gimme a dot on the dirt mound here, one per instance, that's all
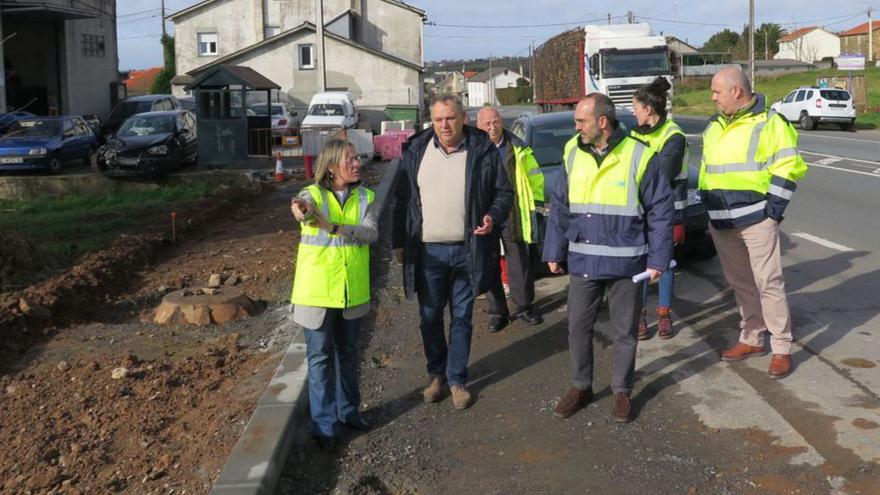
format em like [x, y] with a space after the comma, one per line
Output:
[17, 256]
[132, 418]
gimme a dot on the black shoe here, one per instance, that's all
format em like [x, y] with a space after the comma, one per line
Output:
[530, 317]
[359, 423]
[496, 323]
[327, 444]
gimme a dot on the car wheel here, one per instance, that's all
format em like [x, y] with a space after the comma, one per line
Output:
[55, 165]
[851, 127]
[805, 122]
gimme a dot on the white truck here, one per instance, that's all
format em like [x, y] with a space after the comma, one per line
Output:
[614, 59]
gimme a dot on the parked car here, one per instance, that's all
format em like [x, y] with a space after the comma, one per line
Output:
[547, 133]
[134, 105]
[7, 119]
[334, 109]
[187, 103]
[809, 106]
[150, 144]
[46, 143]
[282, 120]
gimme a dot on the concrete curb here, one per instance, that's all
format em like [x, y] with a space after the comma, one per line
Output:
[256, 462]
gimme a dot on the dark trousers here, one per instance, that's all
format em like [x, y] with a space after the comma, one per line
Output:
[624, 306]
[332, 352]
[520, 278]
[444, 279]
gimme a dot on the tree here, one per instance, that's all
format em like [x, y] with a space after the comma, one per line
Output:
[769, 32]
[162, 84]
[722, 41]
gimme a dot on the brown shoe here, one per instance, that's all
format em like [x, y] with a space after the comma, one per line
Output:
[643, 326]
[461, 398]
[780, 366]
[434, 390]
[664, 324]
[741, 351]
[622, 408]
[573, 401]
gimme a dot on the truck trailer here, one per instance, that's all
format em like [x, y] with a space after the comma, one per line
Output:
[614, 59]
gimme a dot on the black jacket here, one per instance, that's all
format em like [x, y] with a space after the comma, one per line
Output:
[488, 192]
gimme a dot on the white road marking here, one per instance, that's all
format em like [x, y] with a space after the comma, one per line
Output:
[841, 157]
[823, 242]
[869, 174]
[829, 161]
[876, 171]
[803, 135]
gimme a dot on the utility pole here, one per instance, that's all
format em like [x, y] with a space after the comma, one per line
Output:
[609, 18]
[630, 17]
[162, 17]
[766, 44]
[870, 36]
[322, 73]
[532, 69]
[491, 94]
[2, 68]
[752, 43]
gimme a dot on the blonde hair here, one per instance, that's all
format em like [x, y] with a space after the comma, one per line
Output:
[332, 154]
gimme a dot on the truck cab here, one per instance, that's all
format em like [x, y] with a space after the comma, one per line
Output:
[331, 109]
[620, 58]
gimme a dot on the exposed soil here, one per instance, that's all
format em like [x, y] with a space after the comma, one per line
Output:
[94, 398]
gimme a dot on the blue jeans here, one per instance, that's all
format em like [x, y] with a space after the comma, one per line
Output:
[666, 289]
[444, 279]
[332, 351]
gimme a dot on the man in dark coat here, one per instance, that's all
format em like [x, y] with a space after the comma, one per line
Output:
[450, 194]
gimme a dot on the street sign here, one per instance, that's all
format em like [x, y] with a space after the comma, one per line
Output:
[854, 61]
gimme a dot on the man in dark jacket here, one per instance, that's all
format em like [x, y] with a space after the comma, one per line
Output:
[610, 219]
[449, 195]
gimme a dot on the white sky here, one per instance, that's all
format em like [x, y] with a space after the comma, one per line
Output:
[695, 20]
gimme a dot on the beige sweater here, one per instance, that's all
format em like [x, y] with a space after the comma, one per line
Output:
[441, 186]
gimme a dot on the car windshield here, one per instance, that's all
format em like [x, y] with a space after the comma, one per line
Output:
[128, 108]
[634, 63]
[326, 109]
[35, 128]
[147, 126]
[549, 141]
[261, 110]
[834, 94]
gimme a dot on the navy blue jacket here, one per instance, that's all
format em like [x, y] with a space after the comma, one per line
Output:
[488, 192]
[655, 196]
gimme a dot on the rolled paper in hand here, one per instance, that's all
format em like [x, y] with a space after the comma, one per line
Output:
[645, 275]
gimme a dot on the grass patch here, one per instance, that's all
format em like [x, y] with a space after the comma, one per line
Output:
[50, 234]
[693, 97]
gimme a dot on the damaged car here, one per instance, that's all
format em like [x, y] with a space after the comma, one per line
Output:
[149, 145]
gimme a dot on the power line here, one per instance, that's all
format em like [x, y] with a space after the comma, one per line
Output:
[158, 35]
[137, 13]
[519, 26]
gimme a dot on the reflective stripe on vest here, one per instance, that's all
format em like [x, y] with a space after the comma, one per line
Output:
[617, 252]
[735, 213]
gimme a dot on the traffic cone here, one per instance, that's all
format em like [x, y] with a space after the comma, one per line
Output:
[279, 168]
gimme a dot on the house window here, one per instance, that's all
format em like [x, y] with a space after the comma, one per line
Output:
[272, 31]
[306, 56]
[207, 44]
[92, 45]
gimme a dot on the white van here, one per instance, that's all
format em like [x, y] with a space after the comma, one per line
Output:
[331, 109]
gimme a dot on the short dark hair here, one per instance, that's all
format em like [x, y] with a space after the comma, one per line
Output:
[603, 107]
[447, 98]
[654, 95]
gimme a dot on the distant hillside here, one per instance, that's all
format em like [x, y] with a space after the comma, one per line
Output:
[478, 64]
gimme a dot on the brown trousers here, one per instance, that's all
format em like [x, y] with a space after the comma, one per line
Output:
[752, 265]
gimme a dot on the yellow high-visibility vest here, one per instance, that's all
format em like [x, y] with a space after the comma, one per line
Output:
[657, 140]
[611, 189]
[529, 187]
[333, 271]
[746, 160]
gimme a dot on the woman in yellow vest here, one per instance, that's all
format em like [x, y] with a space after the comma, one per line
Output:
[331, 286]
[667, 140]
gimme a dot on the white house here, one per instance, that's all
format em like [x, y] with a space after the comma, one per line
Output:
[808, 44]
[481, 88]
[372, 48]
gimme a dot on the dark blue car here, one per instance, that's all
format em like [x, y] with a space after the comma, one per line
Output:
[46, 143]
[7, 119]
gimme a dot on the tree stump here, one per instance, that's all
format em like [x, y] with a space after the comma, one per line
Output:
[204, 306]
